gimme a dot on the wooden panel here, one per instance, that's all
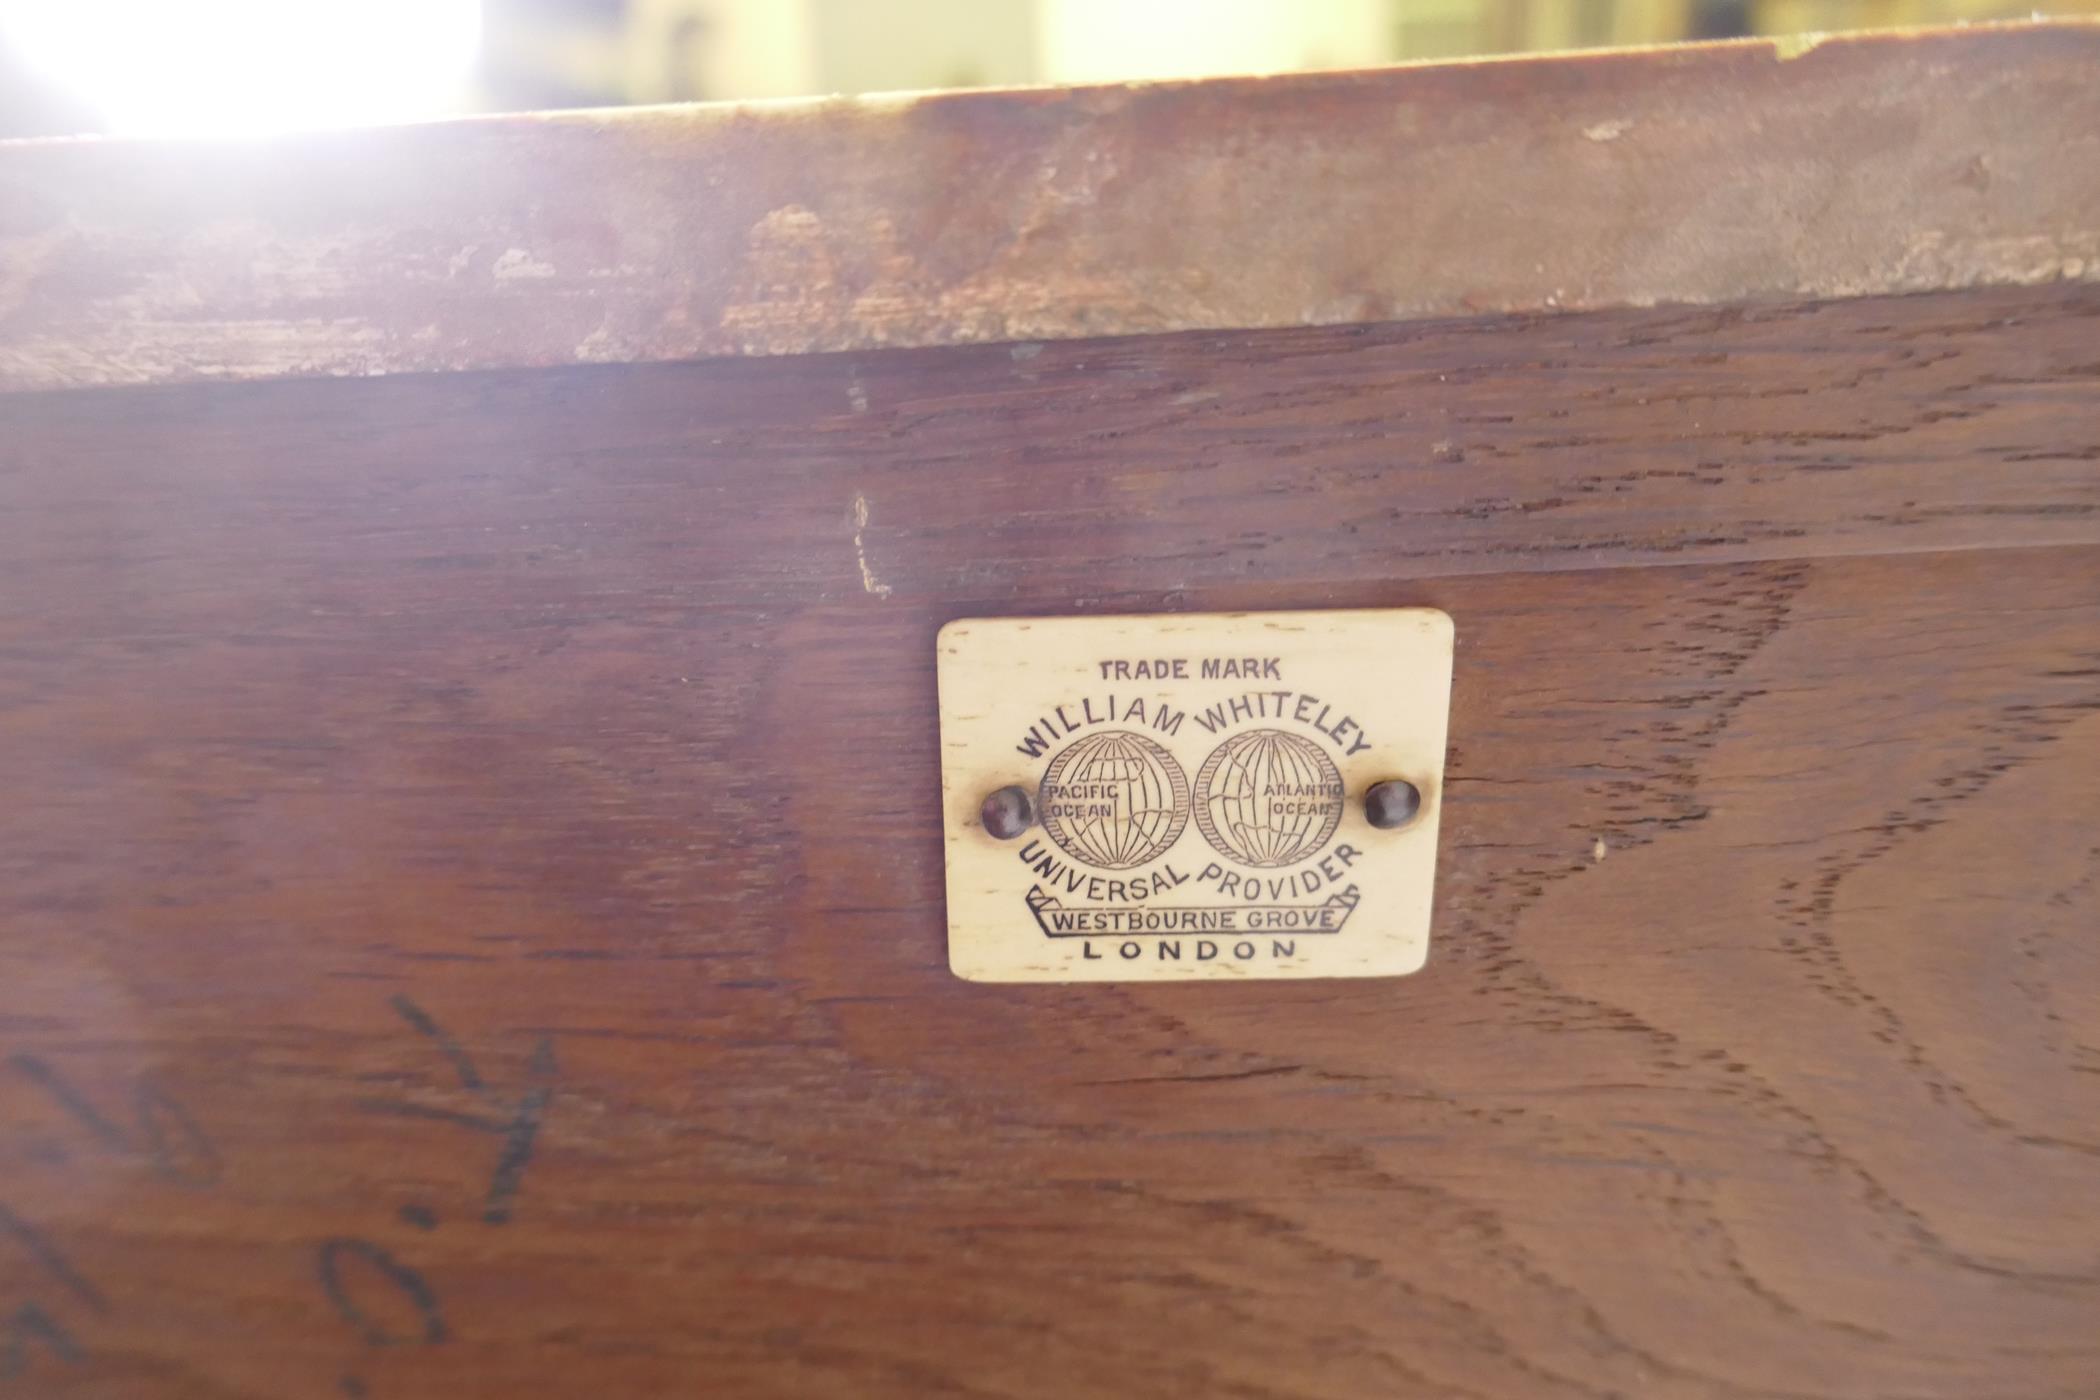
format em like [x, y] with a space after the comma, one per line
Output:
[1131, 473]
[471, 919]
[1699, 174]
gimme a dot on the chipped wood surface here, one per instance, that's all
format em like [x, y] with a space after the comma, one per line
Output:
[472, 928]
[1697, 175]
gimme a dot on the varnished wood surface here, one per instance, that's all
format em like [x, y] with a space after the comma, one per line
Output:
[471, 916]
[1708, 174]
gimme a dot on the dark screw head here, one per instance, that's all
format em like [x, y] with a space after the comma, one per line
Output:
[1008, 812]
[1392, 804]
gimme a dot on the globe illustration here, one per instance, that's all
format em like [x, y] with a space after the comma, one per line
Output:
[1114, 800]
[1267, 797]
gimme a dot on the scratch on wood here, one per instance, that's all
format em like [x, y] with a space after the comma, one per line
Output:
[868, 580]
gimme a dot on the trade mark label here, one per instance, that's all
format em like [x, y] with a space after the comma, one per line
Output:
[1194, 792]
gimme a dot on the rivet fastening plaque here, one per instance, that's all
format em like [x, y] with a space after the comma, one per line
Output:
[1392, 804]
[1008, 812]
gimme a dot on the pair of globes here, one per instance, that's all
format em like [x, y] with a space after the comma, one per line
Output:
[1117, 800]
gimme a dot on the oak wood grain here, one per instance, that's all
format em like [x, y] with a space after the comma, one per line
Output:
[470, 912]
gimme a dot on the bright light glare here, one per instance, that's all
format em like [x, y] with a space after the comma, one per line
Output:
[247, 67]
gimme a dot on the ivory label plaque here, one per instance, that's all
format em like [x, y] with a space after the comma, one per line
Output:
[1192, 795]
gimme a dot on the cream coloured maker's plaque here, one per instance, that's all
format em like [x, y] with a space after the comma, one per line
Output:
[1188, 796]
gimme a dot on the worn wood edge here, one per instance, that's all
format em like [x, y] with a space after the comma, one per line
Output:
[1703, 174]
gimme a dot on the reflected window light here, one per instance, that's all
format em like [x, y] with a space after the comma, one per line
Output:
[251, 67]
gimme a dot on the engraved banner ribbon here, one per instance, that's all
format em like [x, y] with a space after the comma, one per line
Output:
[1058, 921]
